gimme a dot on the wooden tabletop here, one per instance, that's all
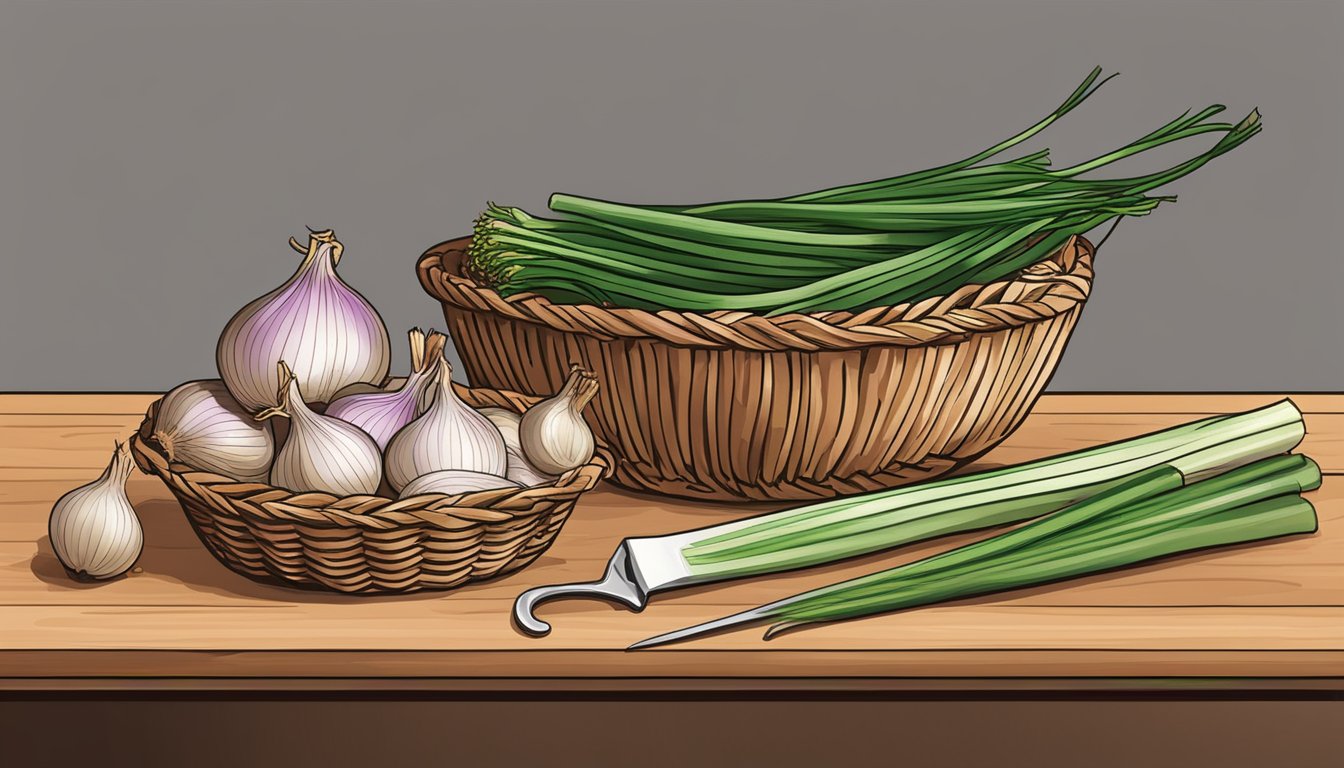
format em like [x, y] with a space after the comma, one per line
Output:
[1258, 616]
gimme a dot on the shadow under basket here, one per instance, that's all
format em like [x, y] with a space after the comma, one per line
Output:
[369, 544]
[726, 405]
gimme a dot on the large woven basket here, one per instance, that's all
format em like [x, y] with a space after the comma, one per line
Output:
[737, 405]
[369, 544]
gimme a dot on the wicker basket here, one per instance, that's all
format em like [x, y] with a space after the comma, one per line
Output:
[369, 544]
[737, 405]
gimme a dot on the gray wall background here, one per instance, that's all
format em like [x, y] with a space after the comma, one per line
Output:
[155, 156]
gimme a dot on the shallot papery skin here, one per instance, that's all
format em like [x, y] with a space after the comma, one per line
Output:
[381, 414]
[200, 424]
[525, 474]
[520, 470]
[455, 481]
[554, 436]
[331, 335]
[448, 435]
[506, 422]
[93, 529]
[323, 454]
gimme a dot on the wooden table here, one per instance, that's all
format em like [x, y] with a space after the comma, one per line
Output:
[1262, 617]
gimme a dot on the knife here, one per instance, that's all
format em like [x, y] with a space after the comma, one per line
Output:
[638, 568]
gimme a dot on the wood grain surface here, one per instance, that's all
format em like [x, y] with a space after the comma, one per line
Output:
[1252, 616]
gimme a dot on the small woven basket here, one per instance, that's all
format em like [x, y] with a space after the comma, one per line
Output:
[369, 544]
[738, 405]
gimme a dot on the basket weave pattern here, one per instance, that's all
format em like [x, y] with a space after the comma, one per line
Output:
[737, 405]
[369, 544]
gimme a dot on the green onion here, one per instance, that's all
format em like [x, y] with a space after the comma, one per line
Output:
[876, 243]
[1089, 86]
[818, 258]
[851, 526]
[1143, 519]
[1154, 512]
[1136, 507]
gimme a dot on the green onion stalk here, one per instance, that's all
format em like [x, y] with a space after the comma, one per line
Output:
[875, 243]
[847, 527]
[1152, 513]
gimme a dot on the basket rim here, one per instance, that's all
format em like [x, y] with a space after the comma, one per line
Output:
[274, 505]
[1055, 285]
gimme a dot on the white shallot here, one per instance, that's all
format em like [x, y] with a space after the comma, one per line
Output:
[506, 422]
[455, 481]
[525, 474]
[519, 470]
[94, 530]
[449, 435]
[383, 413]
[200, 424]
[332, 334]
[321, 453]
[554, 436]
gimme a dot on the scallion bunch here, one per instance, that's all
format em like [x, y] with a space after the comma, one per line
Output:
[1159, 511]
[876, 243]
[833, 529]
[1151, 515]
[1217, 481]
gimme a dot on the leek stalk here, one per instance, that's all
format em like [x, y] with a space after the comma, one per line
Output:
[1141, 520]
[1177, 507]
[848, 527]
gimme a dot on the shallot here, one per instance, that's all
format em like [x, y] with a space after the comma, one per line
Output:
[523, 473]
[332, 334]
[93, 529]
[449, 435]
[506, 422]
[382, 413]
[454, 481]
[321, 454]
[201, 425]
[520, 470]
[554, 436]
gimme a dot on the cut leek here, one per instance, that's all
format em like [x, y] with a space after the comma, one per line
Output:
[841, 528]
[1106, 532]
[1155, 512]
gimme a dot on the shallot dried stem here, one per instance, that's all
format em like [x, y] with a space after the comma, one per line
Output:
[283, 405]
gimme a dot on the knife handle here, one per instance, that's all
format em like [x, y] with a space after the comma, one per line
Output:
[618, 585]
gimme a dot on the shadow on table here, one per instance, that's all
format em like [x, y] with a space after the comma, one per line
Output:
[48, 569]
[173, 553]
